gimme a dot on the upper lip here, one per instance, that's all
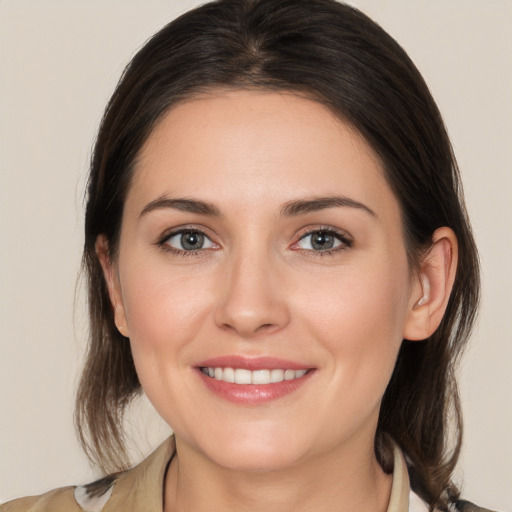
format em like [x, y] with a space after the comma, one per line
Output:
[252, 363]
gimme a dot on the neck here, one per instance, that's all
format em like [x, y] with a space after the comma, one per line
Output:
[347, 479]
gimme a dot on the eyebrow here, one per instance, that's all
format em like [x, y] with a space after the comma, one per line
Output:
[315, 204]
[182, 204]
[290, 209]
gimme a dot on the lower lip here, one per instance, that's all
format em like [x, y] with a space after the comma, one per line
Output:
[253, 394]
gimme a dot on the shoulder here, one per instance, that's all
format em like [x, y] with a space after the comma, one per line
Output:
[88, 498]
[466, 506]
[138, 488]
[416, 504]
[57, 500]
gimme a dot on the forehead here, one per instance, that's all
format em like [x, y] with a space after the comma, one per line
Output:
[259, 147]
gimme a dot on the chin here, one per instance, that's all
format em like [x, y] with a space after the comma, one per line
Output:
[254, 451]
[255, 460]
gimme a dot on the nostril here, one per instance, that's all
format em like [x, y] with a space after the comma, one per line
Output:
[249, 331]
[265, 327]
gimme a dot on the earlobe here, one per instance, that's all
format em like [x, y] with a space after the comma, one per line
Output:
[431, 290]
[113, 285]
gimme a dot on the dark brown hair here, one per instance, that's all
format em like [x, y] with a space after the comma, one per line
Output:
[336, 55]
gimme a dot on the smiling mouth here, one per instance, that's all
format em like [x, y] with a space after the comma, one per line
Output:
[244, 376]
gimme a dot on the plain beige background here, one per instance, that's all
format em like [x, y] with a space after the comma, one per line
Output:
[59, 62]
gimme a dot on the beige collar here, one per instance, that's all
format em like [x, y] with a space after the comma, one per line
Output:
[399, 499]
[142, 488]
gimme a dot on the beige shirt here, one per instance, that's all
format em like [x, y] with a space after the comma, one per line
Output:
[140, 489]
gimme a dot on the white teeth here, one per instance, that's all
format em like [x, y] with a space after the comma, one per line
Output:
[276, 375]
[243, 376]
[228, 375]
[289, 375]
[260, 377]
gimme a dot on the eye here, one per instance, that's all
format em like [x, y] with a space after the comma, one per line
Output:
[189, 240]
[322, 240]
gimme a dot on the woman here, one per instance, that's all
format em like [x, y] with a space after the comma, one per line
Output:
[278, 254]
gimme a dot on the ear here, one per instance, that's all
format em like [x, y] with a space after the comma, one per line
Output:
[432, 286]
[113, 285]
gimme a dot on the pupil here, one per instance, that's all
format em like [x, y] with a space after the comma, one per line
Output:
[322, 241]
[192, 240]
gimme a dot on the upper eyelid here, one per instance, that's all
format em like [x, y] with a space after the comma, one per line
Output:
[168, 233]
[172, 234]
[326, 229]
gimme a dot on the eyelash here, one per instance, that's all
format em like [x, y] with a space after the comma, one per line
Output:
[346, 242]
[162, 242]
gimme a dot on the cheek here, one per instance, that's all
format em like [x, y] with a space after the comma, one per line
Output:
[359, 316]
[164, 312]
[370, 299]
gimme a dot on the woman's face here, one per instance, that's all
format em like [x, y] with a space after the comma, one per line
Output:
[261, 242]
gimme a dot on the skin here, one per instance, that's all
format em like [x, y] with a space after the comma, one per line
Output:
[258, 288]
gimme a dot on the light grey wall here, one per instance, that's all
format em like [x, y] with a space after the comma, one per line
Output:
[59, 62]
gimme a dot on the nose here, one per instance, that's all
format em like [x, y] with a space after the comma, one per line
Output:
[252, 301]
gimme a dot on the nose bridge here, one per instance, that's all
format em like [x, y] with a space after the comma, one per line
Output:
[251, 301]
